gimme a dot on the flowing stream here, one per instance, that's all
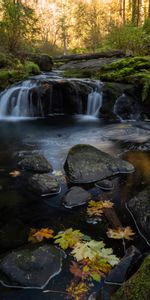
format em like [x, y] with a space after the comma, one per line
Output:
[54, 136]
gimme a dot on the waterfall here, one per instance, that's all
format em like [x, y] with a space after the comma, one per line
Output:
[46, 95]
[94, 101]
[17, 101]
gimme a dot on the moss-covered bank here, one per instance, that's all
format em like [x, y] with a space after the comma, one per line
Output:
[13, 70]
[132, 70]
[138, 286]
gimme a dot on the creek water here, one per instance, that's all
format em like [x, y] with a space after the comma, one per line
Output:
[53, 137]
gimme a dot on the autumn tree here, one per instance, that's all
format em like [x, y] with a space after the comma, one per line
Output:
[17, 24]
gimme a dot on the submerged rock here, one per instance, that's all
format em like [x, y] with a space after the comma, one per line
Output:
[43, 184]
[30, 267]
[138, 286]
[36, 163]
[76, 196]
[85, 164]
[104, 185]
[139, 207]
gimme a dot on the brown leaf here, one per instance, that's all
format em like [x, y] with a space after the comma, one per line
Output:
[120, 233]
[15, 173]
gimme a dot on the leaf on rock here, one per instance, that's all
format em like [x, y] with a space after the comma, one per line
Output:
[68, 238]
[121, 233]
[15, 173]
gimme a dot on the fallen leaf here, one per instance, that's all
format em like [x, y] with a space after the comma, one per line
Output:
[120, 233]
[43, 233]
[96, 208]
[15, 173]
[38, 235]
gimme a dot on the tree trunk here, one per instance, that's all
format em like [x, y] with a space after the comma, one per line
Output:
[149, 9]
[124, 12]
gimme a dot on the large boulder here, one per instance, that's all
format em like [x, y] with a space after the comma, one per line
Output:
[139, 207]
[138, 286]
[43, 185]
[31, 267]
[87, 164]
[35, 163]
[76, 196]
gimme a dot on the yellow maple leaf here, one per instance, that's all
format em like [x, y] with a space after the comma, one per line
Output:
[96, 208]
[107, 204]
[15, 173]
[120, 233]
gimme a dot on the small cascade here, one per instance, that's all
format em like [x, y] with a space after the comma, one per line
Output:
[17, 101]
[94, 101]
[46, 95]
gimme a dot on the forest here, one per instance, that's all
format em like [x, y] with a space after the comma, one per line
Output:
[67, 26]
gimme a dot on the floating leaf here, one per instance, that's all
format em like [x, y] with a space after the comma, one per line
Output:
[15, 173]
[38, 235]
[120, 233]
[92, 250]
[68, 238]
[76, 270]
[96, 208]
[78, 290]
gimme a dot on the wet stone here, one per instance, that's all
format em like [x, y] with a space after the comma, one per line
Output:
[30, 267]
[35, 163]
[139, 207]
[76, 196]
[105, 185]
[85, 164]
[43, 185]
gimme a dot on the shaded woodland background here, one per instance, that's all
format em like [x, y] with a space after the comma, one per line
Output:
[75, 26]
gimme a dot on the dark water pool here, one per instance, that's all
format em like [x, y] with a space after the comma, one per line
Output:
[53, 137]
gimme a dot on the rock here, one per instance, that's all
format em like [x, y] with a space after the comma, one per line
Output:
[138, 286]
[31, 267]
[36, 163]
[43, 185]
[126, 107]
[139, 207]
[104, 184]
[76, 196]
[85, 164]
[13, 234]
[119, 274]
[45, 62]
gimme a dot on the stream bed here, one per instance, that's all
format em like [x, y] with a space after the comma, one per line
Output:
[53, 137]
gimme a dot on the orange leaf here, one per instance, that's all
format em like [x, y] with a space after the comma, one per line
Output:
[120, 233]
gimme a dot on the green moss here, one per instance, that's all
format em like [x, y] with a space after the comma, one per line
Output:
[77, 73]
[138, 286]
[32, 68]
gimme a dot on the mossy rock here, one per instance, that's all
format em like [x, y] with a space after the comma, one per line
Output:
[32, 68]
[122, 69]
[138, 286]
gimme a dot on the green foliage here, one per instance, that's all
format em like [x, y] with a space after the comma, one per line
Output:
[68, 238]
[128, 38]
[32, 68]
[17, 24]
